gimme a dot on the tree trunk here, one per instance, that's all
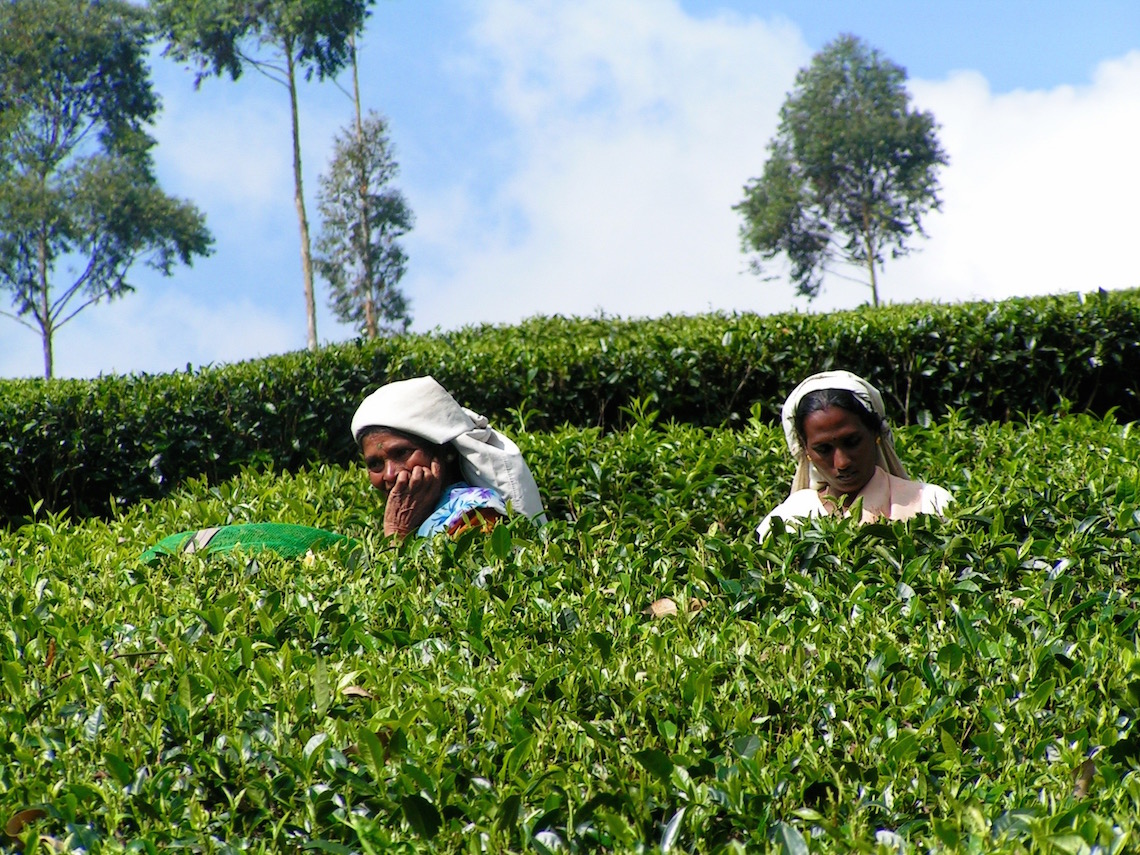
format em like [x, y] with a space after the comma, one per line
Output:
[48, 356]
[371, 328]
[45, 308]
[874, 282]
[867, 245]
[299, 199]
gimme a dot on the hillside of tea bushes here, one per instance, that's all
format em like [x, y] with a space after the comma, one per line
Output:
[95, 447]
[969, 684]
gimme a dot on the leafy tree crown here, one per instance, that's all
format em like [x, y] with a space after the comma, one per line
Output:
[850, 173]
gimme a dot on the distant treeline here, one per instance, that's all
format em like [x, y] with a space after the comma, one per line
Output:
[89, 445]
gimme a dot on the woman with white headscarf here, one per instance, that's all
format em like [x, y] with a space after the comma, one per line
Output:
[837, 431]
[440, 466]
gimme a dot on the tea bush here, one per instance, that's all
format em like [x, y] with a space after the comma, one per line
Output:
[967, 684]
[93, 446]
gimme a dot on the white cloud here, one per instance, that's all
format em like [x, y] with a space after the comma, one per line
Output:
[234, 155]
[637, 126]
[1038, 196]
[230, 141]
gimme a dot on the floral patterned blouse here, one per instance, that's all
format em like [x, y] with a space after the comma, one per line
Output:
[457, 502]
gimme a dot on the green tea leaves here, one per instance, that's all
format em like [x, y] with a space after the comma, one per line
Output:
[937, 684]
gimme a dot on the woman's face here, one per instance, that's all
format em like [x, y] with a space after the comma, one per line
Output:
[387, 454]
[842, 448]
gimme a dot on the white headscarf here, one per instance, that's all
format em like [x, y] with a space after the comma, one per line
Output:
[806, 474]
[422, 407]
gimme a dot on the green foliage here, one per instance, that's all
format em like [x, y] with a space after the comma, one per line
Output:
[280, 38]
[966, 684]
[363, 220]
[224, 36]
[77, 188]
[94, 445]
[850, 173]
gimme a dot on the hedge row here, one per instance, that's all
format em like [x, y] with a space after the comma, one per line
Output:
[966, 685]
[92, 445]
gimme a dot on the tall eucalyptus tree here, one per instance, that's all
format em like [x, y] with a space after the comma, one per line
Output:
[282, 39]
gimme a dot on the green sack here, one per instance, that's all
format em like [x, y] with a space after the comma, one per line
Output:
[285, 539]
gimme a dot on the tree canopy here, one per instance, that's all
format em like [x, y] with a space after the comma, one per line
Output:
[850, 173]
[226, 36]
[77, 187]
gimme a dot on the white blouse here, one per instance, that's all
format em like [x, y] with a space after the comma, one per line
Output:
[885, 496]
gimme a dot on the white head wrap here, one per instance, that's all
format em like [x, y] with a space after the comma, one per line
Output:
[422, 407]
[806, 474]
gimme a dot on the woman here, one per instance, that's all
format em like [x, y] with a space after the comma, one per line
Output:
[837, 430]
[439, 465]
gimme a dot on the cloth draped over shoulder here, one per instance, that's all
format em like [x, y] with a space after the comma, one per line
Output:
[806, 474]
[422, 407]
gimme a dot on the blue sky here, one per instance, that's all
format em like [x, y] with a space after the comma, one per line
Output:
[583, 157]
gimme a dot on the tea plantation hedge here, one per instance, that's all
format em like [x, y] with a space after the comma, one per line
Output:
[90, 445]
[961, 685]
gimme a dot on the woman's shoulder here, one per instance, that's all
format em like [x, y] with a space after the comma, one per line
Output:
[935, 498]
[458, 500]
[800, 504]
[925, 498]
[461, 491]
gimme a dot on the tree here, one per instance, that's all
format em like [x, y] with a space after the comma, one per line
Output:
[277, 38]
[362, 219]
[77, 186]
[851, 171]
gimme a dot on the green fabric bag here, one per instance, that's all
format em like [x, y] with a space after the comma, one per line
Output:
[284, 539]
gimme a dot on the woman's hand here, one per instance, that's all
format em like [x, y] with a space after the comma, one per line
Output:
[412, 499]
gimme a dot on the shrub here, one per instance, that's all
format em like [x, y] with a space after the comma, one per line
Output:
[93, 445]
[966, 684]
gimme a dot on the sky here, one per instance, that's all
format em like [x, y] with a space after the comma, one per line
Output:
[582, 158]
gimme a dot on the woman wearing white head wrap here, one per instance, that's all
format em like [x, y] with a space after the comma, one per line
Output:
[440, 465]
[837, 431]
